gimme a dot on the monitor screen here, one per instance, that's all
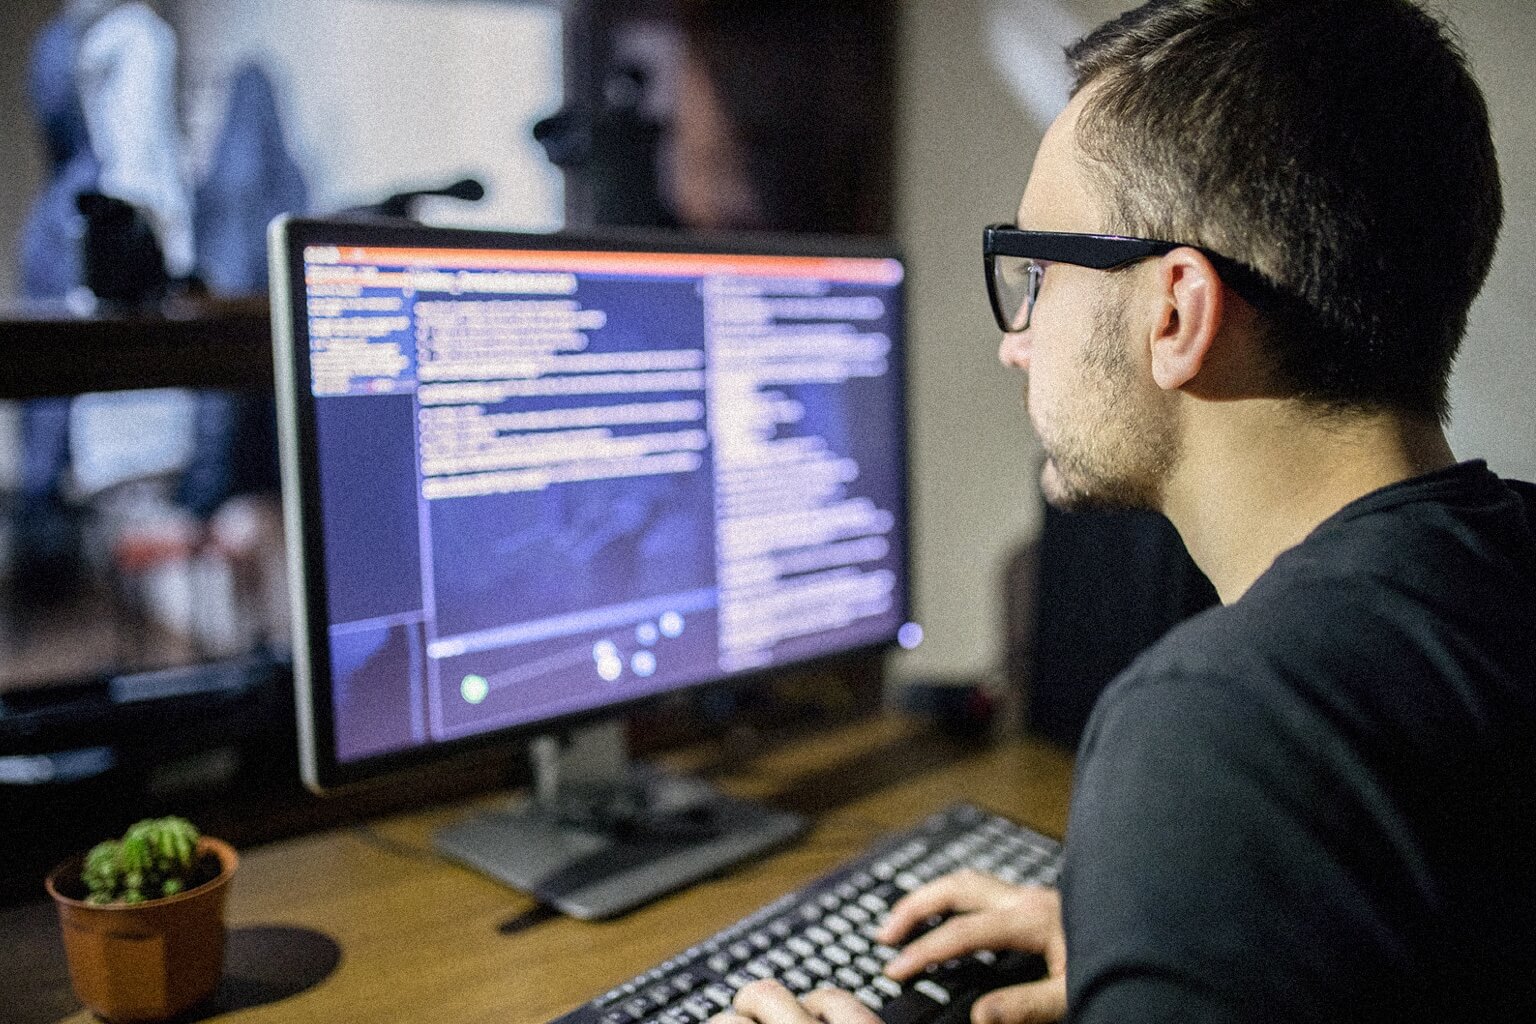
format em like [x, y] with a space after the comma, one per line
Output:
[531, 478]
[141, 553]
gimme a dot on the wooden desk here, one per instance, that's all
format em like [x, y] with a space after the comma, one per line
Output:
[376, 928]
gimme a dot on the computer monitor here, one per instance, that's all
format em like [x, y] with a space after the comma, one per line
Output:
[530, 480]
[143, 616]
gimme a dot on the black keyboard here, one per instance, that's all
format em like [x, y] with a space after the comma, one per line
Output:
[824, 934]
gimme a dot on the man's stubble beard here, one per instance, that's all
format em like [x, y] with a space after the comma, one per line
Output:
[1118, 454]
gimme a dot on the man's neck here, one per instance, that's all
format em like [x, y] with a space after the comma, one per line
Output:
[1257, 477]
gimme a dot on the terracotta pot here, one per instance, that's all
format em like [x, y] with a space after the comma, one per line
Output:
[145, 961]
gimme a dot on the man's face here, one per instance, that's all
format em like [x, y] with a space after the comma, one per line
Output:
[704, 173]
[1108, 432]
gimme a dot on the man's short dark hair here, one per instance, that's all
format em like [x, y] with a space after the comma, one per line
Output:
[1339, 147]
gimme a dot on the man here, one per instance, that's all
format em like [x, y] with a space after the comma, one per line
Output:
[1314, 803]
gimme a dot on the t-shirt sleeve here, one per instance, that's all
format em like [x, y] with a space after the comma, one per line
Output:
[1214, 872]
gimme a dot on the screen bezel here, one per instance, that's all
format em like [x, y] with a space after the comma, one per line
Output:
[320, 769]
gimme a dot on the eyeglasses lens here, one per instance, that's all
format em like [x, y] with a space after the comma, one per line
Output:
[1017, 282]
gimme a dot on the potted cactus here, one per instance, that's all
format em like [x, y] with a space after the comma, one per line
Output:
[143, 920]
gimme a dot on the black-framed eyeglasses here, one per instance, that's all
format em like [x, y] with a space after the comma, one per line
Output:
[1016, 259]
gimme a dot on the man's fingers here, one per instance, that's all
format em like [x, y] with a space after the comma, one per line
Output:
[838, 1007]
[729, 1017]
[958, 892]
[956, 937]
[770, 1003]
[1039, 1002]
[1026, 918]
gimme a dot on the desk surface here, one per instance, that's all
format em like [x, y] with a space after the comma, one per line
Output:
[372, 926]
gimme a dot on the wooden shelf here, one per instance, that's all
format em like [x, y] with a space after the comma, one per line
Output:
[47, 350]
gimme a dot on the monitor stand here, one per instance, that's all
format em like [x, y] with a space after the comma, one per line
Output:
[602, 835]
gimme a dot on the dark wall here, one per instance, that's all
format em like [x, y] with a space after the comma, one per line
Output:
[808, 89]
[21, 156]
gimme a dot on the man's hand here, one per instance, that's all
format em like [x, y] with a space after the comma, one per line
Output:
[988, 914]
[768, 1002]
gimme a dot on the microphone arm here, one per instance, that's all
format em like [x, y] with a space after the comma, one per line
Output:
[400, 204]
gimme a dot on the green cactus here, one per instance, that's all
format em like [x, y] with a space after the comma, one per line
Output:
[156, 857]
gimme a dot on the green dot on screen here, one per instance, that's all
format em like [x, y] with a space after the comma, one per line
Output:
[475, 689]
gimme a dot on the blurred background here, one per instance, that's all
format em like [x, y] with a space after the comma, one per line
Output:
[139, 529]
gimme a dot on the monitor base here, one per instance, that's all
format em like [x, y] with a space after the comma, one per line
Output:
[594, 850]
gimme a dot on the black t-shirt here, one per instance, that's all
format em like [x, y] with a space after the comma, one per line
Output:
[1318, 803]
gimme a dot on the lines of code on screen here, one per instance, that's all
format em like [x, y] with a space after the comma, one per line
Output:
[553, 481]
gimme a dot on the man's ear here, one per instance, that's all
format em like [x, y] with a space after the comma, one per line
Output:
[1189, 320]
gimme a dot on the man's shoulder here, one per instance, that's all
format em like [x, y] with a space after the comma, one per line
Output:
[1271, 634]
[1214, 670]
[1411, 609]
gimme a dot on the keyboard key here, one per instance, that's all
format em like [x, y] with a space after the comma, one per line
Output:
[870, 998]
[739, 979]
[838, 955]
[911, 1007]
[849, 978]
[817, 966]
[798, 981]
[719, 995]
[933, 990]
[801, 946]
[874, 904]
[820, 935]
